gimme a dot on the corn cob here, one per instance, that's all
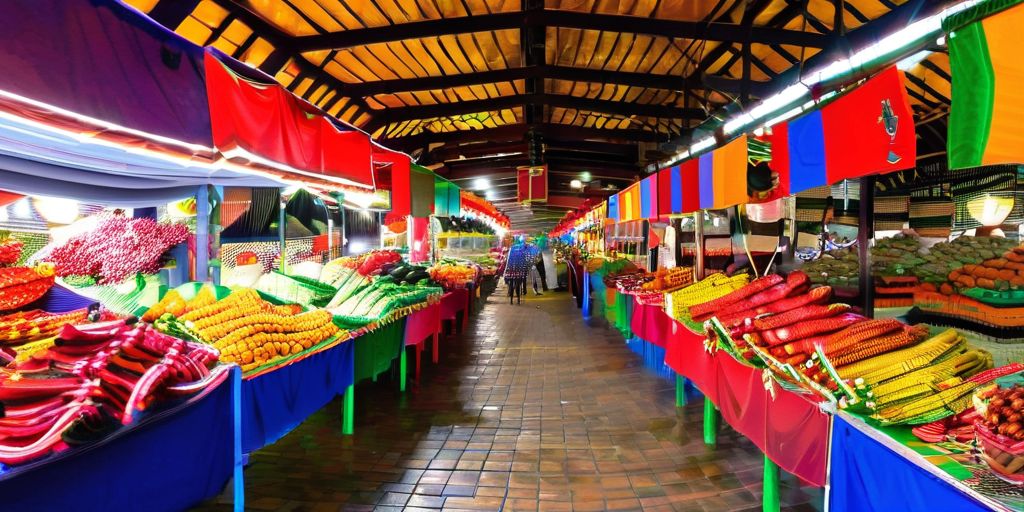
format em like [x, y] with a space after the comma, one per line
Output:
[815, 296]
[799, 314]
[707, 289]
[949, 401]
[901, 361]
[961, 366]
[806, 329]
[700, 311]
[881, 344]
[852, 336]
[750, 307]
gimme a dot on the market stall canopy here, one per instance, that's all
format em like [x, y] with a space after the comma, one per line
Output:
[98, 59]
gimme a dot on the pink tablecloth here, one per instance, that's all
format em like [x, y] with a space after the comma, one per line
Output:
[651, 324]
[422, 324]
[453, 302]
[789, 427]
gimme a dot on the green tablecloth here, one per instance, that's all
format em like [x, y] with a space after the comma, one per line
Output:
[377, 349]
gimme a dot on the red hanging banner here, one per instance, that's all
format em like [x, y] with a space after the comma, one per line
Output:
[255, 121]
[532, 184]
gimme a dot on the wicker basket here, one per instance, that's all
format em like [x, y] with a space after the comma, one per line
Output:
[1004, 456]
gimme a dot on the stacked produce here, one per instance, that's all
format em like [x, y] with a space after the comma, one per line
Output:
[296, 289]
[26, 326]
[117, 248]
[987, 296]
[839, 268]
[376, 302]
[895, 256]
[95, 378]
[249, 330]
[944, 257]
[668, 280]
[879, 367]
[20, 286]
[375, 262]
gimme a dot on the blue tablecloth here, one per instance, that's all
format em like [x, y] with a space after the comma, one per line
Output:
[171, 460]
[274, 403]
[866, 475]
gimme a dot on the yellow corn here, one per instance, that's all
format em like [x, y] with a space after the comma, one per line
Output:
[878, 368]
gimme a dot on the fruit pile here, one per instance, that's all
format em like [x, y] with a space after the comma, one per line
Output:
[20, 286]
[1002, 274]
[895, 256]
[453, 275]
[838, 268]
[10, 251]
[1000, 432]
[117, 248]
[95, 378]
[251, 331]
[944, 257]
[174, 304]
[959, 427]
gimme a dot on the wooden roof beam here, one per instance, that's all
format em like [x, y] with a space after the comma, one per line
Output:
[715, 31]
[517, 131]
[394, 115]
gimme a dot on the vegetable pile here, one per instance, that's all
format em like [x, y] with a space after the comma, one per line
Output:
[27, 326]
[249, 330]
[1000, 432]
[10, 251]
[377, 301]
[95, 378]
[883, 368]
[117, 249]
[21, 286]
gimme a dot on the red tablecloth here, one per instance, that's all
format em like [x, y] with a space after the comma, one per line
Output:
[454, 301]
[422, 324]
[789, 427]
[651, 324]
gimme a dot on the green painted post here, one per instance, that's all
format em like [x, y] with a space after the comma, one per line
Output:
[710, 423]
[680, 391]
[403, 368]
[770, 501]
[348, 410]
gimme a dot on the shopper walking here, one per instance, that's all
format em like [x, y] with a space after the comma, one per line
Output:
[517, 267]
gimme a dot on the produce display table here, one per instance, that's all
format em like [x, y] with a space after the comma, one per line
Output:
[171, 460]
[275, 402]
[890, 470]
[651, 324]
[420, 325]
[790, 427]
[454, 302]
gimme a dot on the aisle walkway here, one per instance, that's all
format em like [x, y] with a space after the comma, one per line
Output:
[531, 409]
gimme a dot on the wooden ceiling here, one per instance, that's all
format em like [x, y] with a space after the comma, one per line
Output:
[478, 87]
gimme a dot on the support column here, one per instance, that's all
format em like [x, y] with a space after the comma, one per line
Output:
[282, 224]
[348, 410]
[865, 233]
[680, 391]
[710, 423]
[403, 368]
[770, 499]
[202, 233]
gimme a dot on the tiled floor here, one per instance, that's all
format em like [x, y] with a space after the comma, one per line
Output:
[532, 408]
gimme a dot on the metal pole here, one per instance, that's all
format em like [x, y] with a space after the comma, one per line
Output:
[698, 240]
[865, 235]
[202, 233]
[282, 218]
